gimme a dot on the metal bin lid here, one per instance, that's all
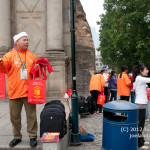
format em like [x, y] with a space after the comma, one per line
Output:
[120, 106]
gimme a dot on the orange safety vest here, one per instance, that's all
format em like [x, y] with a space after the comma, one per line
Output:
[123, 84]
[97, 82]
[12, 65]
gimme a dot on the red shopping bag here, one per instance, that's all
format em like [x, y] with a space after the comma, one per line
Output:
[2, 86]
[37, 89]
[148, 93]
[101, 99]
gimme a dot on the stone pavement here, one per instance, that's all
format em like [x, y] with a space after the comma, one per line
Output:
[6, 129]
[93, 124]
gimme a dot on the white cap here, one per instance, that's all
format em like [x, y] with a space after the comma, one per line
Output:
[20, 35]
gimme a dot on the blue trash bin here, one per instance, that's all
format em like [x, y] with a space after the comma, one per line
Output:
[120, 126]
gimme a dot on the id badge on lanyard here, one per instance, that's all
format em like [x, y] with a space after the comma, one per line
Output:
[23, 74]
[23, 71]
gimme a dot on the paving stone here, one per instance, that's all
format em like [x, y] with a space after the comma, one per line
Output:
[94, 125]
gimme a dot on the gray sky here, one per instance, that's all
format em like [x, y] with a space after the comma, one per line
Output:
[93, 8]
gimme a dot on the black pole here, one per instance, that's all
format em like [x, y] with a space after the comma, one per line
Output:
[75, 136]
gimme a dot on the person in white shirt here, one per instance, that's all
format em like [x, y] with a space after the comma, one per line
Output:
[140, 80]
[106, 77]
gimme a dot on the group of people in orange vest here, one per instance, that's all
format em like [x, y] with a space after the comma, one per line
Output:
[134, 85]
[102, 81]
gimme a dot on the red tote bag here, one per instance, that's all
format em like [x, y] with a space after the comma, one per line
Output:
[148, 93]
[37, 90]
[2, 86]
[101, 99]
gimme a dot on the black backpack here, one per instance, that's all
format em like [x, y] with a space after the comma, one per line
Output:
[82, 105]
[53, 118]
[58, 102]
[91, 104]
[55, 106]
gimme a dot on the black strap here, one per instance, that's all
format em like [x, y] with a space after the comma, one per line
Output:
[121, 75]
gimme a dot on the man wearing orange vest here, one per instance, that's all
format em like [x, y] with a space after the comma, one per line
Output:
[124, 84]
[17, 64]
[97, 84]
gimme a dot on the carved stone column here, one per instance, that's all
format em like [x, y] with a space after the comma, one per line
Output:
[5, 36]
[55, 51]
[54, 25]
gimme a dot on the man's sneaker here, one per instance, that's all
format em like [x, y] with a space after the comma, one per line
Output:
[144, 147]
[146, 120]
[146, 143]
[14, 142]
[33, 142]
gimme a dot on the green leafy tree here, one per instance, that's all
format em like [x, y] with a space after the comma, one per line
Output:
[125, 33]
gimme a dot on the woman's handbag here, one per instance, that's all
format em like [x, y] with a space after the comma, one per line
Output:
[148, 93]
[101, 99]
[37, 89]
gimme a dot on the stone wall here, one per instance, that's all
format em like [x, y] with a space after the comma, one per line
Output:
[5, 25]
[85, 53]
[47, 23]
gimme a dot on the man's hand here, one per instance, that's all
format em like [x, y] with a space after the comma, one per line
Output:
[36, 66]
